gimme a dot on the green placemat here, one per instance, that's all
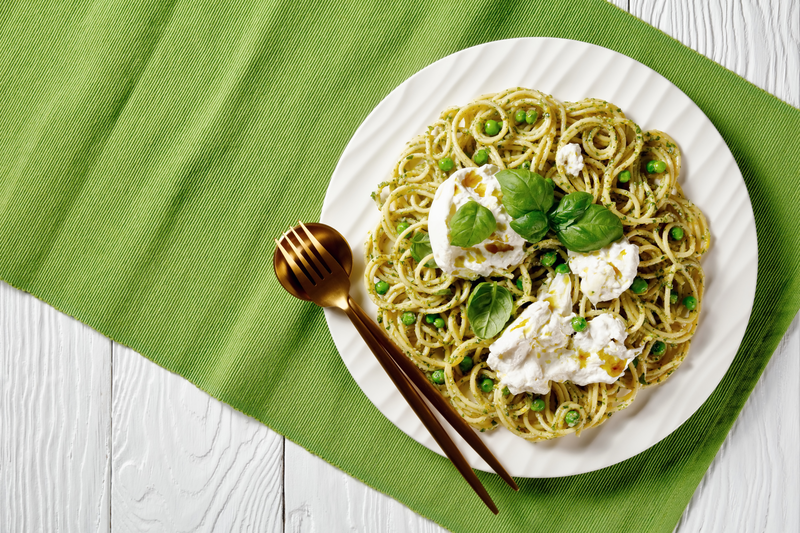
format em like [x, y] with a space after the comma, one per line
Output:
[150, 153]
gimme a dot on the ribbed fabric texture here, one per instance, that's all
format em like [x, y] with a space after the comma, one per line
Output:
[150, 151]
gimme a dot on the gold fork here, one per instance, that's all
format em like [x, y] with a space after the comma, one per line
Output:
[328, 285]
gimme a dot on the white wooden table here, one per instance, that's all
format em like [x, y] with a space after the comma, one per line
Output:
[94, 437]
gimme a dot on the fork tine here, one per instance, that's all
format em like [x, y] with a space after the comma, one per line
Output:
[323, 270]
[298, 272]
[327, 258]
[313, 273]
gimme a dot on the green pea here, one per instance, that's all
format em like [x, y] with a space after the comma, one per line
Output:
[655, 166]
[690, 303]
[466, 364]
[658, 348]
[563, 268]
[408, 318]
[439, 322]
[446, 164]
[549, 259]
[526, 165]
[381, 287]
[676, 233]
[430, 319]
[481, 157]
[673, 298]
[639, 286]
[491, 128]
[519, 283]
[531, 116]
[520, 116]
[506, 392]
[572, 418]
[579, 323]
[624, 176]
[487, 385]
[438, 377]
[401, 227]
[537, 405]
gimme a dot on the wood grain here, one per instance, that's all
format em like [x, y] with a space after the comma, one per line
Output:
[55, 423]
[183, 461]
[322, 498]
[757, 39]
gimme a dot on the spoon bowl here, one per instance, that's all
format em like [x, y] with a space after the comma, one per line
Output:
[332, 240]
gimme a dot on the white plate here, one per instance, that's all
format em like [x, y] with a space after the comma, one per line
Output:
[570, 71]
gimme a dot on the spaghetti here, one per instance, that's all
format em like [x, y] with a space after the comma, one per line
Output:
[650, 205]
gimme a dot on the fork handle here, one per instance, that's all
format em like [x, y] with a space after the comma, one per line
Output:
[418, 405]
[433, 395]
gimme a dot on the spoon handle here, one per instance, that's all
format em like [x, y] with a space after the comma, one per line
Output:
[419, 406]
[433, 395]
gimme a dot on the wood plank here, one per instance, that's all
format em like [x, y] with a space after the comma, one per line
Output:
[320, 497]
[55, 419]
[757, 39]
[183, 461]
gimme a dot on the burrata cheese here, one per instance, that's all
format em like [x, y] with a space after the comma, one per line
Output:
[541, 345]
[608, 272]
[601, 351]
[570, 157]
[536, 347]
[501, 251]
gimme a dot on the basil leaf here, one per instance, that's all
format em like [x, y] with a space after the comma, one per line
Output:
[532, 227]
[598, 227]
[524, 191]
[471, 224]
[570, 208]
[489, 308]
[421, 247]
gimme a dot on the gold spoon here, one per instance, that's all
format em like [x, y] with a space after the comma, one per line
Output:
[330, 288]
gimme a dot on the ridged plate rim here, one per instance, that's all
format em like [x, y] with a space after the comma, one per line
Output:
[569, 70]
